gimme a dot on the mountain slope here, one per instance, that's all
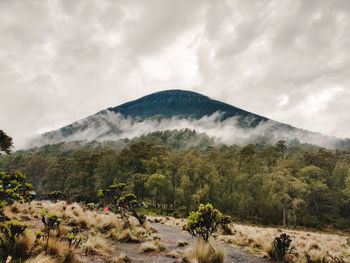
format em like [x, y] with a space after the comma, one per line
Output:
[179, 109]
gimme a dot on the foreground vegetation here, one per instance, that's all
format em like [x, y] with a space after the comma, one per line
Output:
[81, 236]
[292, 186]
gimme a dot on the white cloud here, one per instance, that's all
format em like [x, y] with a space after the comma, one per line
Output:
[313, 105]
[283, 100]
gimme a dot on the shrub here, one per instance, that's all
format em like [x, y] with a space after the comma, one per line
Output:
[10, 232]
[74, 240]
[96, 245]
[181, 243]
[204, 222]
[181, 212]
[225, 225]
[148, 247]
[51, 222]
[281, 247]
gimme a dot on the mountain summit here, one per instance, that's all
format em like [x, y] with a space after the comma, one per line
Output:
[183, 104]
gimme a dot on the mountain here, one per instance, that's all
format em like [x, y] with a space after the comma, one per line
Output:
[180, 109]
[184, 104]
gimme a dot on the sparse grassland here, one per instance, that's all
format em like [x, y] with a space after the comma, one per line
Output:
[319, 247]
[94, 235]
[103, 233]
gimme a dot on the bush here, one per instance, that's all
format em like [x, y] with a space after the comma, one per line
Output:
[74, 240]
[10, 233]
[281, 247]
[225, 225]
[51, 222]
[204, 222]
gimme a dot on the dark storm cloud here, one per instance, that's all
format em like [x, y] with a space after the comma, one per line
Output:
[64, 60]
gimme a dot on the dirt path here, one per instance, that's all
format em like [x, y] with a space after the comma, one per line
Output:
[171, 235]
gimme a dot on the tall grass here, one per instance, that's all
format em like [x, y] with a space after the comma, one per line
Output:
[203, 252]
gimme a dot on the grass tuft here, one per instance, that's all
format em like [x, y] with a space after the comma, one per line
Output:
[203, 252]
[41, 259]
[148, 247]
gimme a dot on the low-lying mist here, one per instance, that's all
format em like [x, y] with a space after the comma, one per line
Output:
[109, 126]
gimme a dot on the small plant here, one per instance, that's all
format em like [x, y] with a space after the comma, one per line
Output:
[281, 247]
[181, 243]
[38, 236]
[51, 222]
[74, 240]
[148, 247]
[128, 203]
[91, 206]
[204, 222]
[10, 233]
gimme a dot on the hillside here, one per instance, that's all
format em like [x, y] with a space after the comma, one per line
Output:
[179, 109]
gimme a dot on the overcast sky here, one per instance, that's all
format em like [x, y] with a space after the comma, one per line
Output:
[64, 60]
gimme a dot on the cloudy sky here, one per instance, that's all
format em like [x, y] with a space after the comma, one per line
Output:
[63, 60]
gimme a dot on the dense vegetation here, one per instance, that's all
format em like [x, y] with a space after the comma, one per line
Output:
[294, 185]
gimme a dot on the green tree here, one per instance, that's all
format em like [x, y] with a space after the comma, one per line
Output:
[55, 195]
[5, 142]
[158, 185]
[314, 177]
[281, 146]
[13, 187]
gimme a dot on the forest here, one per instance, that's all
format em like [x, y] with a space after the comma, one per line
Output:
[283, 184]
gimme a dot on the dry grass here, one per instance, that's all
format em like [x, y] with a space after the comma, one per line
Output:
[25, 244]
[155, 246]
[181, 243]
[41, 259]
[96, 245]
[57, 247]
[125, 236]
[120, 259]
[148, 247]
[203, 252]
[102, 230]
[320, 247]
[257, 240]
[168, 221]
[160, 245]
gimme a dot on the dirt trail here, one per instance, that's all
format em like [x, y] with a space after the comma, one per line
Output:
[171, 235]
